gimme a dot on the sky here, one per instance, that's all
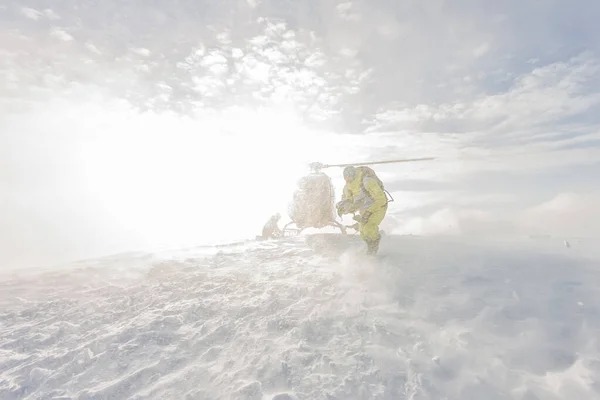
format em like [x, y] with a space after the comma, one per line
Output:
[141, 125]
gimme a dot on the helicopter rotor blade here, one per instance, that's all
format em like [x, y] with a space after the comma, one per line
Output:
[378, 162]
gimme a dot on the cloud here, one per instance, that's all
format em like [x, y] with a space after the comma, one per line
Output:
[50, 14]
[481, 50]
[61, 34]
[565, 215]
[91, 47]
[543, 120]
[31, 13]
[546, 95]
[141, 51]
[347, 11]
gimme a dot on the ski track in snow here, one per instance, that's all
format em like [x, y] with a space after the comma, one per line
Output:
[307, 318]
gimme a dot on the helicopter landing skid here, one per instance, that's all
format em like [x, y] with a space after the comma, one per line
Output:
[287, 231]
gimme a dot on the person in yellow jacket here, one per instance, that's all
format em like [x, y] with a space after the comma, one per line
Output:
[364, 193]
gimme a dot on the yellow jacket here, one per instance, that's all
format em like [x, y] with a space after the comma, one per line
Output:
[366, 197]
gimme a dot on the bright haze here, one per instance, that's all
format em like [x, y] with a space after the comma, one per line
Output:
[138, 125]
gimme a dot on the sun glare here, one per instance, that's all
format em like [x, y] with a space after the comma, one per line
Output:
[172, 181]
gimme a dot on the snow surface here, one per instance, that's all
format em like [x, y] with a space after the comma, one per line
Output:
[308, 318]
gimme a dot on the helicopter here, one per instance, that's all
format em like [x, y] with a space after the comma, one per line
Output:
[312, 205]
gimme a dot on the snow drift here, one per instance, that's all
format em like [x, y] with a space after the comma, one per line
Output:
[307, 318]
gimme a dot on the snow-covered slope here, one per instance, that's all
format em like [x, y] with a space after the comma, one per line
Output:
[307, 318]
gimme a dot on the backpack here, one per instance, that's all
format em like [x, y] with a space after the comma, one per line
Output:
[367, 172]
